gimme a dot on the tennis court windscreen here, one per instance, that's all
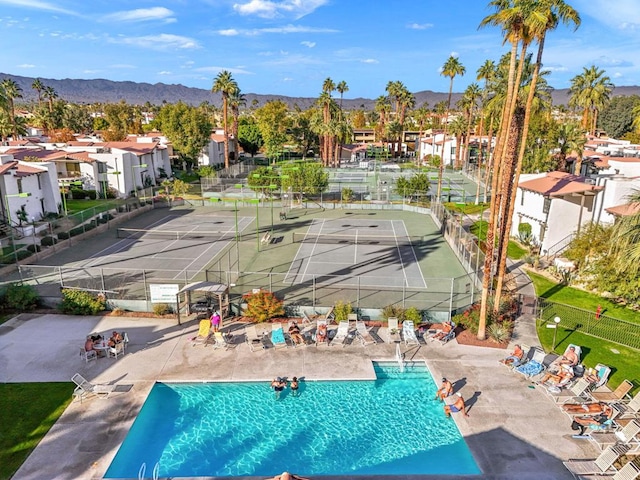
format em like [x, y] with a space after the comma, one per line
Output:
[356, 239]
[174, 235]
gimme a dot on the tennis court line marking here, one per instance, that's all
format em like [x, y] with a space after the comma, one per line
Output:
[313, 248]
[404, 272]
[415, 257]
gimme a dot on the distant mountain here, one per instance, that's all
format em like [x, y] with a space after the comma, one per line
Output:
[108, 91]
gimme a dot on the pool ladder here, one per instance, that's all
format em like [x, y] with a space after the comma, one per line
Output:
[143, 471]
[400, 358]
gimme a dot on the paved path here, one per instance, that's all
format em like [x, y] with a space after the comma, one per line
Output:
[513, 431]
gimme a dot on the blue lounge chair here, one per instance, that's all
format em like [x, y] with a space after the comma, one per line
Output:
[533, 366]
[277, 335]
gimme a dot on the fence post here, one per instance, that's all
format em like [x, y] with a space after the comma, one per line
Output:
[313, 291]
[451, 299]
[102, 280]
[144, 283]
[358, 293]
[404, 284]
[270, 282]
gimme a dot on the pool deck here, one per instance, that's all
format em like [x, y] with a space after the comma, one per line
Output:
[513, 431]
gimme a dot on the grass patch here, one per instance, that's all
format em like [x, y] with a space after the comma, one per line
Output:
[98, 205]
[468, 209]
[575, 297]
[514, 250]
[27, 412]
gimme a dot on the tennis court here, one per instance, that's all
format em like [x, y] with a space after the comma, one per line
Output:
[183, 244]
[343, 250]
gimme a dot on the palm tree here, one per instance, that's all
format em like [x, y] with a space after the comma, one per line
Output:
[50, 94]
[12, 91]
[590, 91]
[486, 72]
[236, 100]
[571, 138]
[626, 238]
[382, 107]
[341, 87]
[38, 86]
[468, 104]
[451, 68]
[226, 85]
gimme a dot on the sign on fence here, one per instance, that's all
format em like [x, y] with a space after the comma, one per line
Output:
[163, 292]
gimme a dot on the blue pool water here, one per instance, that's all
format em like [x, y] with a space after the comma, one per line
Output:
[388, 426]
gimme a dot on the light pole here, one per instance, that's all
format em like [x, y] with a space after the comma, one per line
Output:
[133, 177]
[6, 200]
[257, 202]
[556, 320]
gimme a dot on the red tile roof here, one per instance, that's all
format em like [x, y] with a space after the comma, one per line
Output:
[624, 210]
[20, 169]
[137, 148]
[558, 184]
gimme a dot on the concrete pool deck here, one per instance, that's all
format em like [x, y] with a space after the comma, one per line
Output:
[513, 431]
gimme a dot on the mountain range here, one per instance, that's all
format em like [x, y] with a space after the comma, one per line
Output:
[108, 91]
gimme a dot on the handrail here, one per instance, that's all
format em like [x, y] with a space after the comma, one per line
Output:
[563, 244]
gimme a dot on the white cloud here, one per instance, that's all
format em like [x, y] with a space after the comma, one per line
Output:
[624, 15]
[295, 60]
[419, 26]
[556, 68]
[163, 41]
[90, 71]
[272, 9]
[123, 66]
[287, 79]
[369, 60]
[212, 69]
[617, 75]
[26, 65]
[38, 5]
[454, 54]
[283, 30]
[308, 44]
[164, 72]
[142, 15]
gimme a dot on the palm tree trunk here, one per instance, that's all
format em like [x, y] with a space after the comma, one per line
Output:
[479, 164]
[489, 161]
[226, 132]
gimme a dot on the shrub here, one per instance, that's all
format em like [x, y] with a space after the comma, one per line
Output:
[102, 220]
[74, 232]
[48, 241]
[90, 226]
[525, 235]
[262, 306]
[33, 248]
[18, 296]
[78, 194]
[162, 309]
[78, 302]
[92, 194]
[413, 314]
[394, 311]
[500, 331]
[342, 311]
[22, 254]
[63, 235]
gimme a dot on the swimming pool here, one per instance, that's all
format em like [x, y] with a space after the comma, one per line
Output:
[388, 426]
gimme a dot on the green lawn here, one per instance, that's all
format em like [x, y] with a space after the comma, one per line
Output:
[27, 412]
[623, 360]
[514, 250]
[100, 205]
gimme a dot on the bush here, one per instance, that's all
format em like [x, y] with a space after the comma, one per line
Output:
[74, 232]
[413, 314]
[92, 194]
[22, 254]
[78, 302]
[525, 235]
[90, 226]
[162, 309]
[18, 296]
[262, 306]
[393, 311]
[48, 241]
[500, 331]
[342, 311]
[63, 235]
[33, 248]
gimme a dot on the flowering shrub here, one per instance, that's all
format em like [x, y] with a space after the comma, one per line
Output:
[499, 325]
[262, 306]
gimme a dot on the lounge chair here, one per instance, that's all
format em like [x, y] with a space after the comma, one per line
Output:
[603, 372]
[393, 331]
[85, 389]
[439, 333]
[363, 334]
[352, 317]
[341, 334]
[409, 333]
[252, 338]
[220, 340]
[631, 471]
[327, 317]
[600, 466]
[628, 410]
[555, 363]
[116, 351]
[277, 336]
[445, 338]
[626, 436]
[604, 394]
[204, 333]
[576, 392]
[533, 366]
[321, 324]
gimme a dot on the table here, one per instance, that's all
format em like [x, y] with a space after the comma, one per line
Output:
[101, 348]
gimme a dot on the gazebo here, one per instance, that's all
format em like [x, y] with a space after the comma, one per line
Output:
[217, 298]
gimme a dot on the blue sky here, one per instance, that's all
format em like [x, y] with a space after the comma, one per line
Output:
[288, 47]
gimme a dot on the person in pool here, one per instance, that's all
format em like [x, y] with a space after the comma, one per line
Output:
[294, 387]
[455, 407]
[278, 386]
[445, 390]
[288, 476]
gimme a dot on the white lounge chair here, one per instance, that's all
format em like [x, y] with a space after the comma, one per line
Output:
[576, 392]
[630, 471]
[626, 436]
[600, 466]
[85, 389]
[628, 410]
[220, 341]
[321, 325]
[409, 333]
[604, 394]
[252, 338]
[393, 330]
[342, 333]
[363, 334]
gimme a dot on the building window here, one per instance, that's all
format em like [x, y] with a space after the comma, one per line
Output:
[522, 198]
[19, 181]
[547, 205]
[102, 167]
[39, 182]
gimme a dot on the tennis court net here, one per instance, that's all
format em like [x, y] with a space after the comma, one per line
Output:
[174, 235]
[356, 239]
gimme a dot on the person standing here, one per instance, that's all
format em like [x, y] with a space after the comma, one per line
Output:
[294, 387]
[215, 321]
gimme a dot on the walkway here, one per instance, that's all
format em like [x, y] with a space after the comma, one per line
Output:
[513, 431]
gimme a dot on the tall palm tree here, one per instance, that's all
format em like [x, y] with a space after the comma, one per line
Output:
[12, 91]
[486, 72]
[591, 91]
[382, 107]
[571, 138]
[341, 87]
[225, 84]
[451, 68]
[38, 86]
[468, 104]
[541, 17]
[50, 94]
[236, 100]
